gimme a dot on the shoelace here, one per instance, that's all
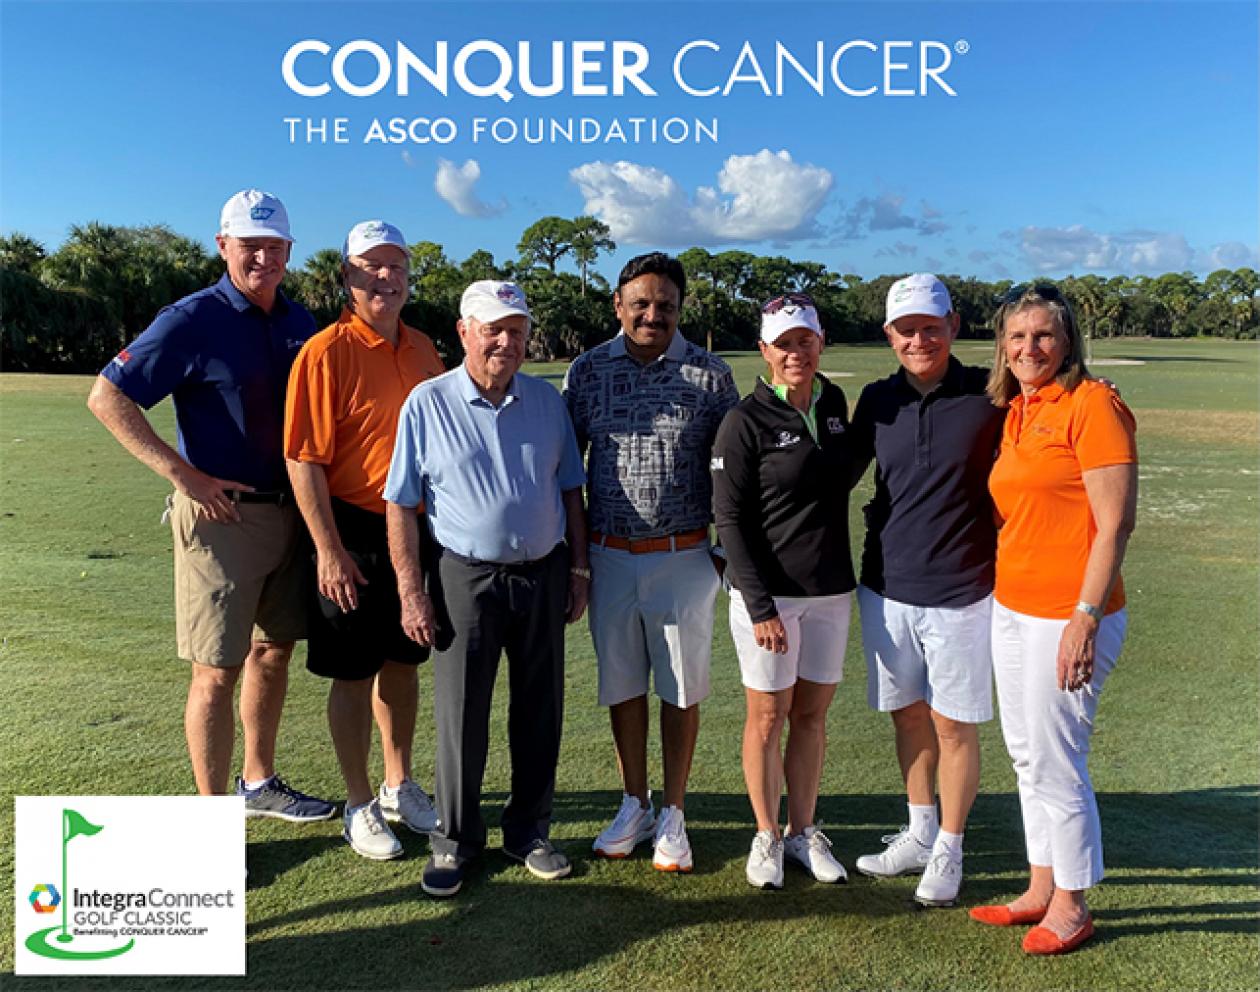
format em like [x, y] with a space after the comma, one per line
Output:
[375, 822]
[819, 841]
[943, 864]
[626, 815]
[280, 785]
[764, 845]
[899, 838]
[673, 829]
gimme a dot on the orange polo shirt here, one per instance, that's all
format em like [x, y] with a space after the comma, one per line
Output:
[1049, 440]
[341, 411]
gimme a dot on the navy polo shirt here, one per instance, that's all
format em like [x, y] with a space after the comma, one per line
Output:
[930, 533]
[225, 364]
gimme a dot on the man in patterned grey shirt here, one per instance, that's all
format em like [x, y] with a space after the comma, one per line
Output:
[648, 404]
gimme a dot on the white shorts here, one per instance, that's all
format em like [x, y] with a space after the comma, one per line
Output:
[937, 654]
[817, 632]
[652, 615]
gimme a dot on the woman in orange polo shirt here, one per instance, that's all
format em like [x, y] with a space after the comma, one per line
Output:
[1065, 489]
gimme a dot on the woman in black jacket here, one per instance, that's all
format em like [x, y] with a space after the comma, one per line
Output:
[781, 466]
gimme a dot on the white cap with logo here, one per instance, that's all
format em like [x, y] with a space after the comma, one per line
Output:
[921, 293]
[488, 300]
[786, 313]
[251, 213]
[369, 234]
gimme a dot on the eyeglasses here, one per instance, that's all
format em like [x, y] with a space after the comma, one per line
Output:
[787, 299]
[1043, 291]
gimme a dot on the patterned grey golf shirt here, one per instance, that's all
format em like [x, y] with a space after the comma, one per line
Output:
[650, 429]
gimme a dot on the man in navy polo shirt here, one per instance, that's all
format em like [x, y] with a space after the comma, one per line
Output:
[223, 356]
[927, 577]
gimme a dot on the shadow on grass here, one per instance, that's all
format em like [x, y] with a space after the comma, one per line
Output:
[507, 928]
[1202, 917]
[269, 859]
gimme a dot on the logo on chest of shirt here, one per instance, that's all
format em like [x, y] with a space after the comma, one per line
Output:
[716, 464]
[786, 439]
[835, 425]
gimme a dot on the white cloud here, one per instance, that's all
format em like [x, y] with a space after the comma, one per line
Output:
[456, 184]
[1051, 249]
[759, 197]
[1230, 255]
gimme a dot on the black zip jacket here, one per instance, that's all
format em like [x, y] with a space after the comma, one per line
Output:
[780, 499]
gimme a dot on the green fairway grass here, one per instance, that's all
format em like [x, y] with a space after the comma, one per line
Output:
[93, 698]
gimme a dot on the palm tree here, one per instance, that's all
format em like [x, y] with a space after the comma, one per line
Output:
[590, 237]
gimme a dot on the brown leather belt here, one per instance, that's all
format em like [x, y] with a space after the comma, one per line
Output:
[650, 545]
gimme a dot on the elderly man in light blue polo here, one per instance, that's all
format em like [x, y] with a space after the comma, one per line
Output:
[491, 455]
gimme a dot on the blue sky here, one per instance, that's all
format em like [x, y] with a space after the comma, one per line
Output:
[1084, 137]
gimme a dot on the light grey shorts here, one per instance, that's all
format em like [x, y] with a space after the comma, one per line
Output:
[937, 654]
[651, 616]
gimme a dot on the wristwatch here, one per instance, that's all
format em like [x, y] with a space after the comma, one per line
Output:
[1090, 610]
[581, 573]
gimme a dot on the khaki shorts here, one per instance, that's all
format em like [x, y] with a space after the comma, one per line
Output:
[237, 582]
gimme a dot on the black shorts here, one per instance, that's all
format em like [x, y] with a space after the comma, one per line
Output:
[357, 644]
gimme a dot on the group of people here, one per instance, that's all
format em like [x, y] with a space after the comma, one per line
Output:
[343, 487]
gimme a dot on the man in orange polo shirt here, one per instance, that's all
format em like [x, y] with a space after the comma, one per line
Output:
[341, 416]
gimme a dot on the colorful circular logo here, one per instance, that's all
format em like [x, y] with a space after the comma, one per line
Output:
[45, 898]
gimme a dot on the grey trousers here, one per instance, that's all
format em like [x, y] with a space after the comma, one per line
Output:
[483, 610]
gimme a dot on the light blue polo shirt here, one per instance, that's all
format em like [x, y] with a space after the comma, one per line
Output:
[489, 478]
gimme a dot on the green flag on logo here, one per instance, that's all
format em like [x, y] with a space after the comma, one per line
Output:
[73, 824]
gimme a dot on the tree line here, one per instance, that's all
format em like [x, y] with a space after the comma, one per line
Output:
[72, 309]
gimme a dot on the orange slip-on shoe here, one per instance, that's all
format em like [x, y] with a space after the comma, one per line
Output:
[1040, 940]
[1004, 916]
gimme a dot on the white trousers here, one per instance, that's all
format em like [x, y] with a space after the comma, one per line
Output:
[1047, 732]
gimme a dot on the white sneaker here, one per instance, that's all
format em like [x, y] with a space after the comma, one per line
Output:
[631, 825]
[364, 827]
[673, 850]
[411, 806]
[941, 880]
[905, 854]
[811, 849]
[765, 861]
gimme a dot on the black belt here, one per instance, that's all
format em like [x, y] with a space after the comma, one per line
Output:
[278, 498]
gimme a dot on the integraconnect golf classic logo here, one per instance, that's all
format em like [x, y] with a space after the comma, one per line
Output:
[148, 885]
[45, 899]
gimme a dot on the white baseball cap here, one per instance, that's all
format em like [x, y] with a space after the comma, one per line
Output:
[251, 213]
[921, 293]
[786, 313]
[488, 300]
[369, 234]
